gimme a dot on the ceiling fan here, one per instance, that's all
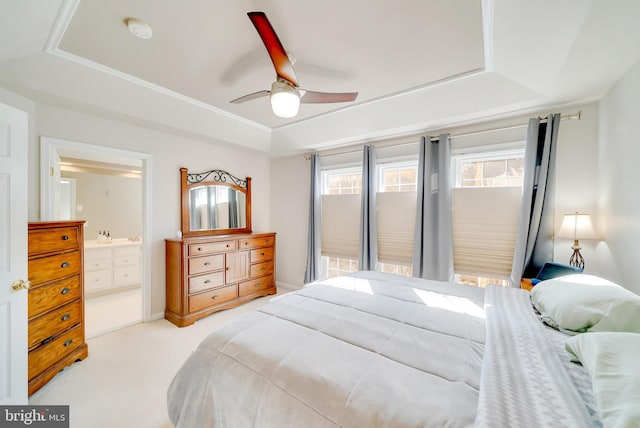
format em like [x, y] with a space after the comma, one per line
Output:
[285, 94]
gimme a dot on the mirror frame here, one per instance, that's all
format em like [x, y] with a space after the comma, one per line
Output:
[215, 177]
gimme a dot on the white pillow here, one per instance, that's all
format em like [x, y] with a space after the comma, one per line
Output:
[612, 362]
[579, 303]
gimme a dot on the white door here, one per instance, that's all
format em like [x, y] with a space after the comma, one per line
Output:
[13, 256]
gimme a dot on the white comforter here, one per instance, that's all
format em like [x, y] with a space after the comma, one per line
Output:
[365, 350]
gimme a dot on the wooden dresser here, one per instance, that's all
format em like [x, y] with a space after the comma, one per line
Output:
[56, 301]
[206, 274]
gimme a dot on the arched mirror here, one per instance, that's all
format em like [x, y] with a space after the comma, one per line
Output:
[214, 203]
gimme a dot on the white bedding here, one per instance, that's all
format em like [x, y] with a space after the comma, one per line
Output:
[365, 350]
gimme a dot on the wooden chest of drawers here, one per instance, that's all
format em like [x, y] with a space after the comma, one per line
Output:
[56, 303]
[208, 274]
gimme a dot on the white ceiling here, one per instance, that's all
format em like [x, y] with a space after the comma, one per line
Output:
[417, 64]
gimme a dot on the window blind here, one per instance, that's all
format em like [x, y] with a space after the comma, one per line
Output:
[340, 225]
[396, 225]
[485, 224]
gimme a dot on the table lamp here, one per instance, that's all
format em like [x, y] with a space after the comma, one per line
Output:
[576, 226]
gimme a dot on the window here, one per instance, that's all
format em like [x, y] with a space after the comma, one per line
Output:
[489, 169]
[340, 220]
[486, 201]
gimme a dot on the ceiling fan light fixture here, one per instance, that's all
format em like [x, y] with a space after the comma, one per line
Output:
[285, 99]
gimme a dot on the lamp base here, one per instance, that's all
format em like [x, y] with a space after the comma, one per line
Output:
[576, 259]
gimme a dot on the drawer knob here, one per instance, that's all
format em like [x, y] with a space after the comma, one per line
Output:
[65, 237]
[65, 290]
[256, 285]
[228, 245]
[65, 317]
[68, 342]
[262, 269]
[207, 281]
[199, 248]
[214, 297]
[207, 263]
[65, 265]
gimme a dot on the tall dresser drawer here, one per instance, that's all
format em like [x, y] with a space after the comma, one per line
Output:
[55, 322]
[56, 240]
[261, 269]
[55, 267]
[49, 296]
[44, 356]
[206, 264]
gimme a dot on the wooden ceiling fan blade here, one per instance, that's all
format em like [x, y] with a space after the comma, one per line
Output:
[284, 68]
[312, 97]
[250, 97]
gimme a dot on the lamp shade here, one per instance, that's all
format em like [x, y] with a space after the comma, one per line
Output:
[577, 226]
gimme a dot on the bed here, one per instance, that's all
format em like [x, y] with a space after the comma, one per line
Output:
[379, 350]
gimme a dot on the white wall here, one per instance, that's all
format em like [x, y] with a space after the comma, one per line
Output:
[168, 154]
[618, 193]
[290, 217]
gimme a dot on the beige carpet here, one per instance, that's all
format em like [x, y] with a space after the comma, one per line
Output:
[123, 383]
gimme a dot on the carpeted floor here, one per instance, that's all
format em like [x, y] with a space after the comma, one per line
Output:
[123, 383]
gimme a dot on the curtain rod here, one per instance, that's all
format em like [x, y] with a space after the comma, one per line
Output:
[577, 115]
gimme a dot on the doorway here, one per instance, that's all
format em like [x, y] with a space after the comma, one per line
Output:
[109, 189]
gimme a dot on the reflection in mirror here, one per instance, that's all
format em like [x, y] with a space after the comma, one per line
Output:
[217, 207]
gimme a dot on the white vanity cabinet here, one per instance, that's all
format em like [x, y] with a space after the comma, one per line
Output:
[108, 267]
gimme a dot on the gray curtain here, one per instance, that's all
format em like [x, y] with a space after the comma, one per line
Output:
[368, 246]
[233, 208]
[312, 271]
[433, 242]
[534, 241]
[212, 212]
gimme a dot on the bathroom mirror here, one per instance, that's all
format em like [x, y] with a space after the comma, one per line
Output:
[214, 203]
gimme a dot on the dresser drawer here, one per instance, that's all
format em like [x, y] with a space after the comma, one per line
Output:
[55, 267]
[212, 247]
[266, 241]
[206, 264]
[203, 282]
[53, 323]
[212, 298]
[261, 269]
[262, 255]
[53, 240]
[124, 275]
[96, 264]
[255, 285]
[97, 280]
[127, 260]
[49, 296]
[44, 356]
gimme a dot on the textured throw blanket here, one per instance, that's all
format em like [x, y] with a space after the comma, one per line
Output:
[525, 382]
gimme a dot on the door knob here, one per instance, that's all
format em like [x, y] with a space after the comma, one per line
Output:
[20, 285]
